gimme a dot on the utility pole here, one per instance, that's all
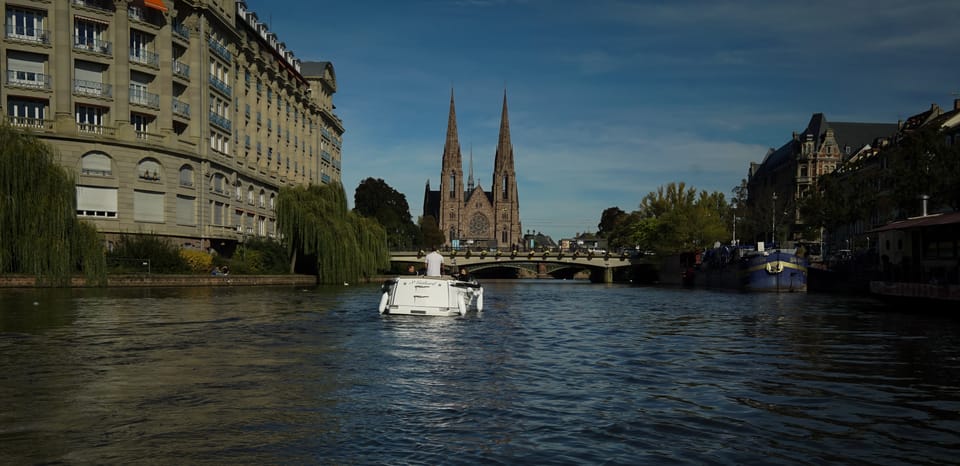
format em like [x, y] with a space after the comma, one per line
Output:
[773, 220]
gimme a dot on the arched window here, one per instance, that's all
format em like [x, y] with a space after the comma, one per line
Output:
[218, 183]
[250, 195]
[96, 163]
[273, 200]
[149, 169]
[186, 176]
[263, 199]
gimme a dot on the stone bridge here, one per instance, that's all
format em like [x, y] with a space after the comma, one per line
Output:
[601, 266]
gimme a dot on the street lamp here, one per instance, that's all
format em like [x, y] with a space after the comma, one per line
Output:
[773, 220]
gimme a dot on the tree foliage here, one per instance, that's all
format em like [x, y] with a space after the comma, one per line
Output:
[39, 230]
[610, 219]
[432, 236]
[674, 218]
[316, 223]
[375, 198]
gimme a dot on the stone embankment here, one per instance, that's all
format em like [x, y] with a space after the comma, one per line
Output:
[154, 280]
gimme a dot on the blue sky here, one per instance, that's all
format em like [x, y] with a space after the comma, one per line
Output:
[609, 99]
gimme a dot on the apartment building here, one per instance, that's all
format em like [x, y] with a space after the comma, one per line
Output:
[179, 118]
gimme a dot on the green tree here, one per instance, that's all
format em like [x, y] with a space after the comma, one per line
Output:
[39, 230]
[432, 236]
[344, 245]
[375, 198]
[609, 220]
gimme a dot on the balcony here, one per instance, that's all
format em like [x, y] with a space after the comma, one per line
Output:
[92, 45]
[28, 79]
[102, 5]
[220, 50]
[28, 122]
[220, 121]
[138, 96]
[144, 57]
[28, 34]
[181, 31]
[142, 15]
[326, 156]
[181, 69]
[181, 108]
[221, 86]
[92, 88]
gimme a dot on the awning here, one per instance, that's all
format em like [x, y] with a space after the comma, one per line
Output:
[156, 5]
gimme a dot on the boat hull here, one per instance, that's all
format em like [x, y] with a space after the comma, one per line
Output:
[777, 271]
[430, 296]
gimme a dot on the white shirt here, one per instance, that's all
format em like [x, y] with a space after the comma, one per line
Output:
[434, 263]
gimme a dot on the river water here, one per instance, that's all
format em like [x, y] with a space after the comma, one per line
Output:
[551, 372]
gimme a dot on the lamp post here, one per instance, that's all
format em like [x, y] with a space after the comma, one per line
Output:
[773, 220]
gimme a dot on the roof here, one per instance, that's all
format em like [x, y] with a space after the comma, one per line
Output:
[859, 135]
[950, 218]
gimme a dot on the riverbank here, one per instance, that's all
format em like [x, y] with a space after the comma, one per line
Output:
[157, 280]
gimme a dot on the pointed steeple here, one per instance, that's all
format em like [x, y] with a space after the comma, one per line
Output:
[451, 148]
[504, 158]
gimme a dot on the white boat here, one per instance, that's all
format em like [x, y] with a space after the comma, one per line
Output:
[430, 296]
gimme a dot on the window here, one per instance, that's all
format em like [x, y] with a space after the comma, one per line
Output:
[96, 202]
[186, 210]
[263, 199]
[141, 124]
[96, 163]
[218, 212]
[140, 45]
[26, 112]
[89, 35]
[272, 201]
[186, 176]
[506, 189]
[26, 24]
[147, 206]
[218, 184]
[90, 119]
[149, 169]
[250, 195]
[88, 79]
[26, 69]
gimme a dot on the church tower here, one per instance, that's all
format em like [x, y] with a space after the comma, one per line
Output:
[506, 205]
[451, 180]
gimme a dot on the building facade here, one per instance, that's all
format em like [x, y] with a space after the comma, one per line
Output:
[465, 213]
[179, 118]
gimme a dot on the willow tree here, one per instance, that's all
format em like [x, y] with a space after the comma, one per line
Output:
[39, 230]
[315, 222]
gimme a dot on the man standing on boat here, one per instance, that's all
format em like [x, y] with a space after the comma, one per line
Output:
[434, 263]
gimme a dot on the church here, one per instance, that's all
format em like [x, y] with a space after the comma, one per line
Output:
[468, 216]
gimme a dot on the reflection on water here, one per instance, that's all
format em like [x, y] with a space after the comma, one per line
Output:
[551, 372]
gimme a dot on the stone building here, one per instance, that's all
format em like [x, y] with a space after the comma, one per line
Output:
[178, 118]
[787, 175]
[466, 213]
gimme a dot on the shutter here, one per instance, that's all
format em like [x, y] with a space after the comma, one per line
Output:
[31, 63]
[96, 199]
[86, 71]
[96, 163]
[186, 210]
[147, 206]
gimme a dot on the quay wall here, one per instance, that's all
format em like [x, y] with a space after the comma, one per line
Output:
[155, 280]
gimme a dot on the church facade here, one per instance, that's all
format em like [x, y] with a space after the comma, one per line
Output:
[468, 215]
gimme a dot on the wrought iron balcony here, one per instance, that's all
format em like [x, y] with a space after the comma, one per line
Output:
[181, 108]
[220, 121]
[181, 69]
[220, 85]
[93, 45]
[144, 57]
[101, 5]
[139, 96]
[180, 30]
[21, 33]
[28, 79]
[92, 88]
[220, 50]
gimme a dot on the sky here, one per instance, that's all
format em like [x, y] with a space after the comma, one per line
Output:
[610, 99]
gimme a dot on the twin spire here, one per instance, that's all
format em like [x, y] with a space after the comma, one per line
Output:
[452, 158]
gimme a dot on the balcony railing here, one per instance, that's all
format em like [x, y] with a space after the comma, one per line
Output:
[220, 121]
[181, 108]
[141, 14]
[28, 79]
[29, 122]
[92, 88]
[180, 30]
[181, 69]
[144, 57]
[93, 45]
[326, 156]
[101, 5]
[28, 34]
[92, 128]
[220, 50]
[139, 96]
[220, 85]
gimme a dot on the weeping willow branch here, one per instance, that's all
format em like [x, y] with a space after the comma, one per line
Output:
[39, 231]
[315, 222]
